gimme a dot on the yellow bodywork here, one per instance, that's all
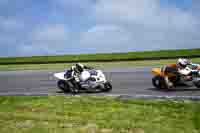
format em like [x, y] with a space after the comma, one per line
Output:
[157, 71]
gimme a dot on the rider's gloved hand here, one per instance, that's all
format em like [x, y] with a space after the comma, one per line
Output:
[168, 83]
[77, 79]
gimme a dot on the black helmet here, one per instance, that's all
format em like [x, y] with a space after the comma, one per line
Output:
[73, 68]
[79, 67]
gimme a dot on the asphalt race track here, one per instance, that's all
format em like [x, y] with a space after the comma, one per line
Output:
[125, 81]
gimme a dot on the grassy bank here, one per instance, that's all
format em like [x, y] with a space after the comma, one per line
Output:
[100, 65]
[96, 115]
[102, 57]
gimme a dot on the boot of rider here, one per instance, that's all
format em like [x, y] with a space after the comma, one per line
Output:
[76, 90]
[75, 87]
[168, 82]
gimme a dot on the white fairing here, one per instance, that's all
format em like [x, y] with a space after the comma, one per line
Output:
[185, 71]
[101, 76]
[60, 75]
[84, 76]
[193, 64]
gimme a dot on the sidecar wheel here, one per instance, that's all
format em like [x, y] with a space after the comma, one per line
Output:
[159, 82]
[63, 86]
[197, 84]
[107, 87]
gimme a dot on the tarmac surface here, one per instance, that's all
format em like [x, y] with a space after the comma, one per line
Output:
[125, 81]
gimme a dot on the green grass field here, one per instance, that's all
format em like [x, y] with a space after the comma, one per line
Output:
[99, 57]
[90, 114]
[100, 65]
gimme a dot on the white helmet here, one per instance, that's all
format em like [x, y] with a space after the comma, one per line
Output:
[183, 62]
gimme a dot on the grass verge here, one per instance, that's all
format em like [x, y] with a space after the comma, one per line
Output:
[102, 57]
[100, 65]
[90, 114]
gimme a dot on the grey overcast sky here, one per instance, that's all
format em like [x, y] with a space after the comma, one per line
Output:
[49, 27]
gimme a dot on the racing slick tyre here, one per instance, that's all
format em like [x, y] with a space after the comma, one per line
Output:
[159, 82]
[107, 87]
[63, 86]
[197, 84]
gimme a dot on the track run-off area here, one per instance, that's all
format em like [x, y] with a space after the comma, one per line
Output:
[132, 81]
